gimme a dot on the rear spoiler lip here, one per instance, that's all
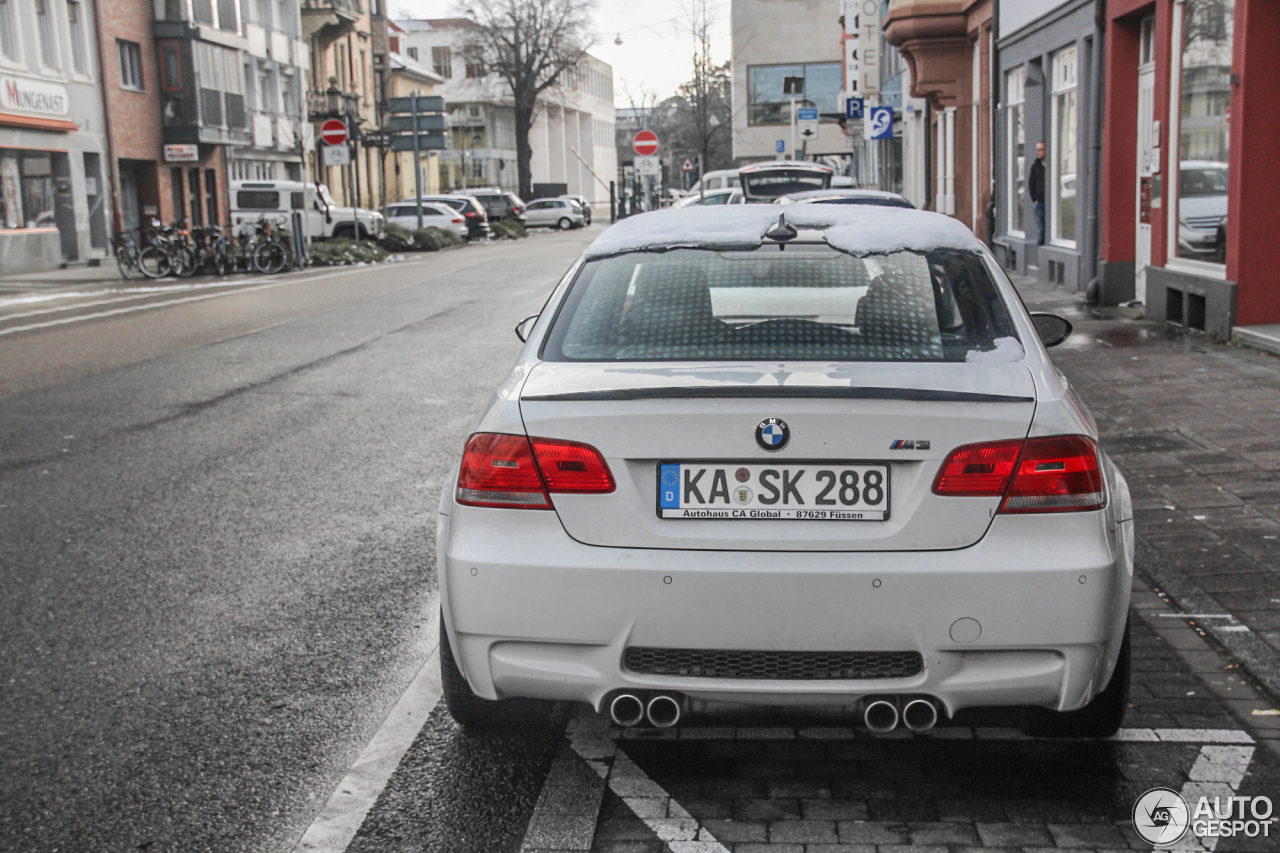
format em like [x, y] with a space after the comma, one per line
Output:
[812, 392]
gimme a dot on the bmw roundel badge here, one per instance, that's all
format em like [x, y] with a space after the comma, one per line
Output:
[773, 434]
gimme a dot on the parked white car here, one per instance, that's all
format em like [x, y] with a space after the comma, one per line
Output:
[845, 474]
[321, 216]
[434, 215]
[714, 180]
[553, 213]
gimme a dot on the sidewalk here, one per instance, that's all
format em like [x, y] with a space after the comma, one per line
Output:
[82, 277]
[1195, 427]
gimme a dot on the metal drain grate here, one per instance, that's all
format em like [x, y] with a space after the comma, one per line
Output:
[713, 663]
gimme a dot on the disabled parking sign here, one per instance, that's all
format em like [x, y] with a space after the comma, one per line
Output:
[881, 119]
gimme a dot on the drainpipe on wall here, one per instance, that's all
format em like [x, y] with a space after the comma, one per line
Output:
[113, 165]
[1093, 219]
[992, 207]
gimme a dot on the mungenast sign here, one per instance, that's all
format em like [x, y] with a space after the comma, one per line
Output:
[35, 97]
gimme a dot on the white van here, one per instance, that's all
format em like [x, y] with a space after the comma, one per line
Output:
[321, 216]
[714, 180]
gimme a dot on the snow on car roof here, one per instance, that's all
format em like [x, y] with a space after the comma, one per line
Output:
[858, 230]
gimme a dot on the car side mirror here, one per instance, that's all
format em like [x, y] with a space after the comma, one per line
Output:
[525, 326]
[1052, 329]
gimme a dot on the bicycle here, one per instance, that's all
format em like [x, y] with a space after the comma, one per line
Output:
[126, 252]
[261, 250]
[155, 260]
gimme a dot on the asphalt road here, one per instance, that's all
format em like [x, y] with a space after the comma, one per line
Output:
[218, 613]
[217, 517]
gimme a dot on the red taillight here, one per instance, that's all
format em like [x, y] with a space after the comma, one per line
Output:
[573, 468]
[498, 470]
[1055, 474]
[502, 471]
[457, 220]
[472, 213]
[1058, 474]
[978, 470]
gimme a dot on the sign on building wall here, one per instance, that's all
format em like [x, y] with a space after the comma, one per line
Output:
[32, 96]
[181, 153]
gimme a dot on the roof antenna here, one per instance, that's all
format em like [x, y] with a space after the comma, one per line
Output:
[782, 232]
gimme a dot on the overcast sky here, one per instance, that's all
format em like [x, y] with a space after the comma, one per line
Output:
[655, 53]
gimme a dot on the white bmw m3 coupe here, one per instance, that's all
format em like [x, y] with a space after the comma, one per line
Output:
[816, 458]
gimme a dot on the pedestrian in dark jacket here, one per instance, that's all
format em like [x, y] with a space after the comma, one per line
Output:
[1035, 189]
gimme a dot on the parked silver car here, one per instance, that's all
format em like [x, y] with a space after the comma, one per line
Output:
[553, 213]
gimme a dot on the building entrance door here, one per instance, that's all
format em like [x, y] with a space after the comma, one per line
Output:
[1148, 158]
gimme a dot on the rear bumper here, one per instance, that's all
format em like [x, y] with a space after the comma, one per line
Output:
[533, 613]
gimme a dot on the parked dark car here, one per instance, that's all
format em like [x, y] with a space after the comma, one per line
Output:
[499, 204]
[471, 209]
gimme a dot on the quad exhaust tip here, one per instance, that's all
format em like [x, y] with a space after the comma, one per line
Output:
[627, 710]
[664, 711]
[880, 716]
[920, 715]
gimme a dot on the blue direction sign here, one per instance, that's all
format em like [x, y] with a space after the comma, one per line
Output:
[807, 114]
[881, 119]
[853, 107]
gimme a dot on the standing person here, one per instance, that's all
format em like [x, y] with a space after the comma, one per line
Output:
[1035, 189]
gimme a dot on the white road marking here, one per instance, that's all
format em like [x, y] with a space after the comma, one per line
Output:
[340, 819]
[1195, 616]
[592, 739]
[1218, 772]
[1134, 735]
[153, 305]
[111, 296]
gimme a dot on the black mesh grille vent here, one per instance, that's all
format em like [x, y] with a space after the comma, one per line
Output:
[712, 663]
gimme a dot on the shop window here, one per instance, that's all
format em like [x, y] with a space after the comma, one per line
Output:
[8, 40]
[44, 32]
[442, 61]
[768, 105]
[1016, 161]
[179, 194]
[1204, 102]
[1064, 176]
[130, 65]
[211, 195]
[26, 189]
[76, 27]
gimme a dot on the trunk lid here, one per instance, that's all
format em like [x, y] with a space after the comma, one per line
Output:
[640, 415]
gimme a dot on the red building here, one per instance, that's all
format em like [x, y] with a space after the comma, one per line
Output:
[164, 163]
[1186, 225]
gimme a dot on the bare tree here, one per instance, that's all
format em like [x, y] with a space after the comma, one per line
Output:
[706, 91]
[529, 44]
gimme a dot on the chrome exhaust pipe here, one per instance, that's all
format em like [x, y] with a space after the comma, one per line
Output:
[880, 716]
[920, 715]
[626, 710]
[664, 711]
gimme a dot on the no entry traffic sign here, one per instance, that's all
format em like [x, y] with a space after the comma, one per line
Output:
[645, 143]
[334, 131]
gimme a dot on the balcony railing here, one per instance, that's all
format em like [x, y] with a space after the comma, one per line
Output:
[350, 7]
[318, 105]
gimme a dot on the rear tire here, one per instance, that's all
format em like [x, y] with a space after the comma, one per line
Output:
[269, 258]
[564, 224]
[154, 262]
[483, 715]
[1101, 718]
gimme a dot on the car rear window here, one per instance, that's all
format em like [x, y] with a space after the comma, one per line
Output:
[776, 182]
[257, 200]
[804, 303]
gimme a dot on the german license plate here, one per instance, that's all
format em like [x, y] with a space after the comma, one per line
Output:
[806, 491]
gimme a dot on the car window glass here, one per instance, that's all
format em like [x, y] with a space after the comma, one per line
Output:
[257, 200]
[718, 198]
[808, 303]
[713, 183]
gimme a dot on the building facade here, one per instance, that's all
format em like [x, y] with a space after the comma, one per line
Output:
[1190, 88]
[1049, 90]
[274, 72]
[947, 45]
[573, 129]
[339, 34]
[778, 39]
[54, 199]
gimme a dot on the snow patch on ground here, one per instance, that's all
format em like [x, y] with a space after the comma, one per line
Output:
[856, 229]
[1007, 349]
